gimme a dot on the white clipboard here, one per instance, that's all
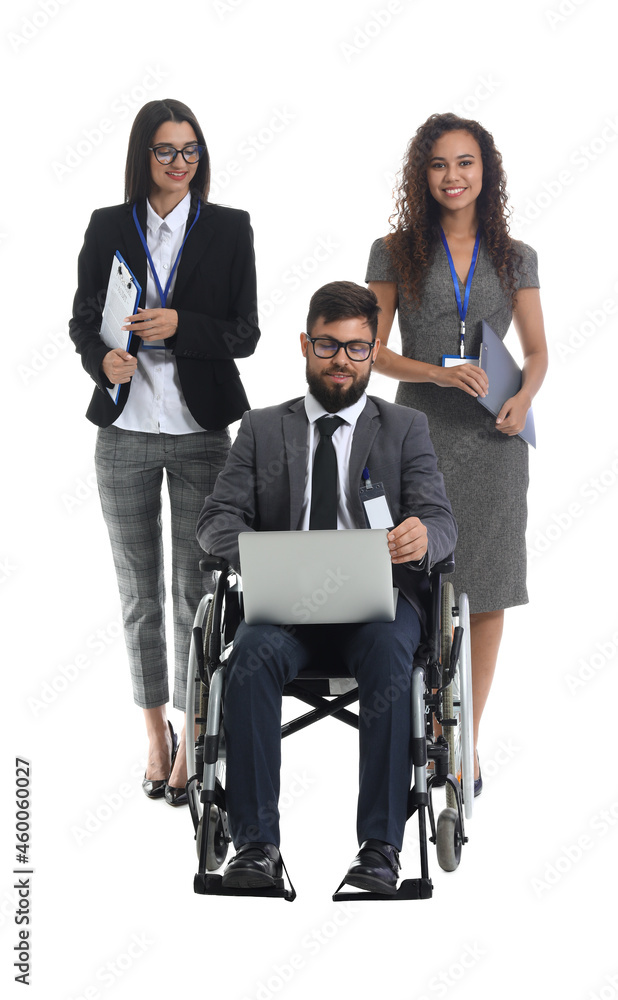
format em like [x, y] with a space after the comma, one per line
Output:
[123, 295]
[504, 377]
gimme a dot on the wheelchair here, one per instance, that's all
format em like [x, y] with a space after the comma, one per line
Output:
[442, 747]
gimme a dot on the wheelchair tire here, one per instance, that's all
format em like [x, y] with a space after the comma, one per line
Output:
[450, 695]
[448, 840]
[216, 850]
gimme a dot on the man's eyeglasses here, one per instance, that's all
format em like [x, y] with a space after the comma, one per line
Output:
[326, 347]
[167, 154]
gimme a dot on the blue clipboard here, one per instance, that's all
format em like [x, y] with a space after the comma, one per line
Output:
[504, 376]
[123, 294]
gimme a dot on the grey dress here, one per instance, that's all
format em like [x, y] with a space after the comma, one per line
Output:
[485, 471]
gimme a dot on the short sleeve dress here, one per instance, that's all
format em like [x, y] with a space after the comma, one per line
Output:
[485, 472]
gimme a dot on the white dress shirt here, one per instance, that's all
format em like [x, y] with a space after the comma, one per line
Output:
[342, 442]
[156, 403]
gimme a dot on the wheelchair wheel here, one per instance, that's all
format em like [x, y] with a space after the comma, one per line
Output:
[218, 838]
[448, 840]
[450, 695]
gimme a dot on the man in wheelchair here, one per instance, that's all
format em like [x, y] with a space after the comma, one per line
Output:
[326, 445]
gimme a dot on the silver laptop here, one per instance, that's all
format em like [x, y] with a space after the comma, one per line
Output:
[316, 577]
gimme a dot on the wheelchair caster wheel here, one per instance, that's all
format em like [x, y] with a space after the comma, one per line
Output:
[216, 849]
[448, 840]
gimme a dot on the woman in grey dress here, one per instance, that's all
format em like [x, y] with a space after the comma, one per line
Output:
[450, 232]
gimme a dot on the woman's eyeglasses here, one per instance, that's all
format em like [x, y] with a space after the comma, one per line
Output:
[167, 154]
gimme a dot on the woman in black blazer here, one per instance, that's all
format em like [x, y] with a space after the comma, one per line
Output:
[179, 388]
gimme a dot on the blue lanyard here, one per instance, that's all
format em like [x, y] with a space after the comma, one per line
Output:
[163, 293]
[462, 310]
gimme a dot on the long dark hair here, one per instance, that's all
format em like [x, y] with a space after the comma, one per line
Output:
[416, 219]
[137, 177]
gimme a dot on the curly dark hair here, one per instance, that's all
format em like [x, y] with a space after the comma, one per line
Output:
[416, 223]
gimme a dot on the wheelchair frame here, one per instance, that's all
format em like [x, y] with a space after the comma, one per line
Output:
[442, 663]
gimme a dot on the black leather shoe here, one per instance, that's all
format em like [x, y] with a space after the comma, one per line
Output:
[155, 789]
[375, 868]
[175, 796]
[255, 866]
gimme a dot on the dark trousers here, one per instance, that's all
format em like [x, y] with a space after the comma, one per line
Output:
[264, 659]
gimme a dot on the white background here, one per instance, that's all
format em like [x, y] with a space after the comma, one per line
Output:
[346, 93]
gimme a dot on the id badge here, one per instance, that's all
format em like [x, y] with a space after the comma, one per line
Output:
[450, 360]
[375, 505]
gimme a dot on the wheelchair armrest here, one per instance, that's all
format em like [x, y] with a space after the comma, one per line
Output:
[212, 563]
[444, 566]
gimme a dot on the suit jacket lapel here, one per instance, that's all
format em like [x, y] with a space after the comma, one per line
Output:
[135, 256]
[295, 439]
[196, 245]
[367, 426]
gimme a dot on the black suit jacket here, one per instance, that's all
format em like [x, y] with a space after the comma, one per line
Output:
[215, 296]
[262, 485]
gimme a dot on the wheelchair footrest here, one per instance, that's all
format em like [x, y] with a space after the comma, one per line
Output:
[212, 885]
[410, 888]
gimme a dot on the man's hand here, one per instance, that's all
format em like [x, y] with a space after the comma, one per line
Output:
[408, 541]
[153, 324]
[119, 366]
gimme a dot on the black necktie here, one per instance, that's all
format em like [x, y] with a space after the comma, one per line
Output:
[323, 512]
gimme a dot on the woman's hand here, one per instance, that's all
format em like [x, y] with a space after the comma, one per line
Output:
[408, 541]
[153, 324]
[512, 417]
[119, 366]
[470, 378]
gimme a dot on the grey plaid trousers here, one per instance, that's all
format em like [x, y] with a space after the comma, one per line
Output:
[129, 467]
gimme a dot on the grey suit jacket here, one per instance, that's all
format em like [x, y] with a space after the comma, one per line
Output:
[262, 485]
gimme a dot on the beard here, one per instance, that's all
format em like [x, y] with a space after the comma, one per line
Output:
[335, 397]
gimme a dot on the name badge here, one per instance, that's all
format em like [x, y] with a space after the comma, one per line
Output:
[375, 505]
[450, 360]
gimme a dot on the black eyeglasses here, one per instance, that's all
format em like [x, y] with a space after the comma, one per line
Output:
[167, 154]
[326, 347]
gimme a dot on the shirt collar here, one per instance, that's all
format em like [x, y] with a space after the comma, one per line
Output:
[350, 414]
[177, 217]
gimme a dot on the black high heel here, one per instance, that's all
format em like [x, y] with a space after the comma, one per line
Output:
[155, 788]
[175, 796]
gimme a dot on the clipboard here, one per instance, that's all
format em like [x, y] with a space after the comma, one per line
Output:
[121, 300]
[504, 376]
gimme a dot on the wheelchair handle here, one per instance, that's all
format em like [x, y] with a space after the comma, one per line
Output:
[213, 563]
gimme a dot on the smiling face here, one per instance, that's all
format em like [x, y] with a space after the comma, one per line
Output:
[338, 381]
[172, 178]
[455, 171]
